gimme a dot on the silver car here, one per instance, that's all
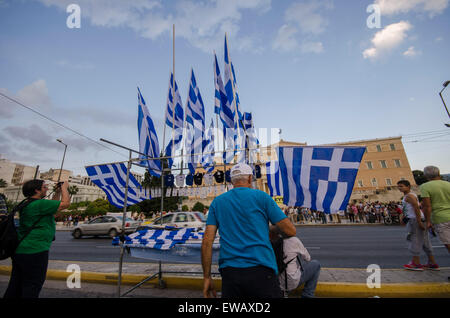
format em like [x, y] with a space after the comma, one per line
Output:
[180, 219]
[105, 225]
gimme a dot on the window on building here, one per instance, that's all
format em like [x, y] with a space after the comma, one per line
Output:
[388, 182]
[360, 183]
[383, 164]
[379, 148]
[369, 164]
[374, 182]
[397, 163]
[392, 147]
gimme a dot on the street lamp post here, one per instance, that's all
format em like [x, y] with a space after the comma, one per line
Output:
[440, 94]
[62, 163]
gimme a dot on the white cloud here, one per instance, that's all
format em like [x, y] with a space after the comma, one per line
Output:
[285, 40]
[312, 47]
[203, 24]
[392, 7]
[307, 18]
[411, 52]
[387, 39]
[34, 95]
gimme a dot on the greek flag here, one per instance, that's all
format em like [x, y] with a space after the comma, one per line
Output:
[252, 142]
[148, 140]
[195, 125]
[233, 100]
[222, 107]
[174, 119]
[208, 157]
[161, 239]
[319, 178]
[111, 178]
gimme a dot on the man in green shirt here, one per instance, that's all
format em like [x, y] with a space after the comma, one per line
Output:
[30, 261]
[436, 203]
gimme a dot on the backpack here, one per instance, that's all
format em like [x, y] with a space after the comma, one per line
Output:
[9, 240]
[278, 249]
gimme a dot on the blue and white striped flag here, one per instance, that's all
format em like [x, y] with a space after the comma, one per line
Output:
[148, 140]
[319, 178]
[174, 119]
[208, 156]
[233, 100]
[111, 178]
[252, 143]
[222, 107]
[195, 125]
[161, 239]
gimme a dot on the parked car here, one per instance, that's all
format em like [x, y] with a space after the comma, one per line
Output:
[178, 219]
[105, 225]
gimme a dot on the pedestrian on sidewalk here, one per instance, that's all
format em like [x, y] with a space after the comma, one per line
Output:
[3, 207]
[351, 213]
[30, 260]
[436, 204]
[417, 233]
[247, 261]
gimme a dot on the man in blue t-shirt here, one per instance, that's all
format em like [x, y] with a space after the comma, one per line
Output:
[247, 262]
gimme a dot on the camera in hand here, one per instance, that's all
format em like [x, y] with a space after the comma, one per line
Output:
[59, 184]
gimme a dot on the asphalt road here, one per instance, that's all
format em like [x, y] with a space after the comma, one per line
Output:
[333, 246]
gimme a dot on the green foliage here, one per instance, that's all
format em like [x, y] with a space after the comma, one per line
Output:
[419, 177]
[3, 183]
[73, 190]
[198, 207]
[185, 208]
[100, 206]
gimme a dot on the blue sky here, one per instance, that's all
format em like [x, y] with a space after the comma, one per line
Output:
[312, 68]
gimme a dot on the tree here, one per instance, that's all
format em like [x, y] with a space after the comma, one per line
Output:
[198, 207]
[73, 189]
[185, 208]
[3, 183]
[419, 177]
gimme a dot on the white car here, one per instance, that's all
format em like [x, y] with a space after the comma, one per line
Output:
[105, 225]
[180, 219]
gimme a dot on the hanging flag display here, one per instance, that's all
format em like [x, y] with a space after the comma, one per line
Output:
[319, 178]
[208, 156]
[111, 178]
[174, 119]
[148, 139]
[195, 125]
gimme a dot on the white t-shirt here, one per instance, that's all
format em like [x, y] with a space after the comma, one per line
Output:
[292, 247]
[179, 180]
[208, 179]
[408, 208]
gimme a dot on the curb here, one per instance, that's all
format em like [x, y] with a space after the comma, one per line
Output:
[333, 290]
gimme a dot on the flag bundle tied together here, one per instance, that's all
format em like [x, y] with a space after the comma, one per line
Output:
[163, 239]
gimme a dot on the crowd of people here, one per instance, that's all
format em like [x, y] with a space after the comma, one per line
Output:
[360, 212]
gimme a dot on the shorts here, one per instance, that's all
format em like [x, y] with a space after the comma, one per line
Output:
[418, 239]
[443, 231]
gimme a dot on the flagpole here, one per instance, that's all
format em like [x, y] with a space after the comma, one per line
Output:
[122, 234]
[232, 88]
[173, 90]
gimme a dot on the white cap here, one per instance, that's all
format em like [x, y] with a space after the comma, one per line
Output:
[241, 169]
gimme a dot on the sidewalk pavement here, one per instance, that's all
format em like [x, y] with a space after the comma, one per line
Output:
[333, 282]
